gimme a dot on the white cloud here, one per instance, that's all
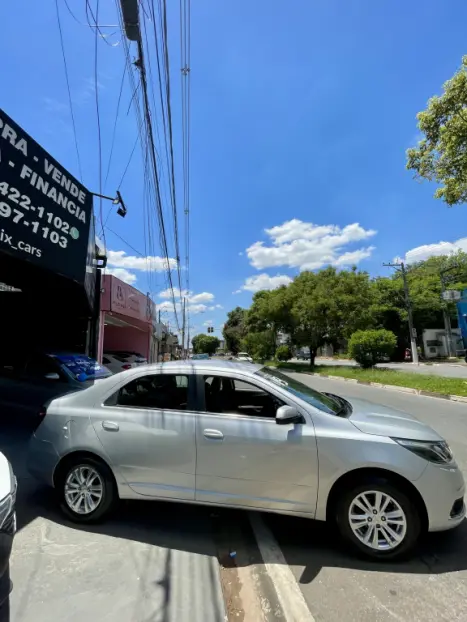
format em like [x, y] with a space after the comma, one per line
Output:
[120, 259]
[122, 274]
[307, 246]
[192, 308]
[420, 253]
[208, 323]
[203, 297]
[264, 281]
[193, 298]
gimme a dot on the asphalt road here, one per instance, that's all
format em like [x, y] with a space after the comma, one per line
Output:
[448, 370]
[341, 588]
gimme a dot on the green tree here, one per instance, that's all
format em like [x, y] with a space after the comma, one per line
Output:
[441, 156]
[259, 345]
[205, 344]
[283, 353]
[234, 329]
[328, 306]
[369, 347]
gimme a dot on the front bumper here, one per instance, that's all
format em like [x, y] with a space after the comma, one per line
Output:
[442, 489]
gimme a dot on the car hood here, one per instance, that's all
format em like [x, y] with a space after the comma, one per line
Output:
[384, 421]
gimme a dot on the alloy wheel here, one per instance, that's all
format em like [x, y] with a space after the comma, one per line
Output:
[84, 489]
[377, 520]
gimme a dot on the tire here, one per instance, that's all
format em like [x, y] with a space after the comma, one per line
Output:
[102, 490]
[401, 516]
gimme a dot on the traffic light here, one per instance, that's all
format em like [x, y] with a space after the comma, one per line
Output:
[210, 329]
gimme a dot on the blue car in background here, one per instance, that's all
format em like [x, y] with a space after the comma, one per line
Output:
[26, 383]
[198, 357]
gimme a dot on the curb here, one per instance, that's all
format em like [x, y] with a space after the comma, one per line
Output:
[391, 387]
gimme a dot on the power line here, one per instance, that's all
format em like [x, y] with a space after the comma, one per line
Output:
[135, 250]
[96, 25]
[185, 54]
[114, 131]
[88, 25]
[166, 112]
[152, 153]
[99, 136]
[70, 102]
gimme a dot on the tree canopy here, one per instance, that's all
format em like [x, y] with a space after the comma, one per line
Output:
[234, 329]
[441, 156]
[328, 306]
[205, 344]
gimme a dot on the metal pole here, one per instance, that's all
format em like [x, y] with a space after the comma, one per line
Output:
[446, 316]
[408, 304]
[183, 328]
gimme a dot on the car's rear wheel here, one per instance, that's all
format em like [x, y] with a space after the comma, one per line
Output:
[379, 520]
[87, 490]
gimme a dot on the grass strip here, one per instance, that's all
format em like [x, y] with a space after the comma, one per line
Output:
[423, 382]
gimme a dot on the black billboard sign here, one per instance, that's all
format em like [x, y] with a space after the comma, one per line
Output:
[45, 213]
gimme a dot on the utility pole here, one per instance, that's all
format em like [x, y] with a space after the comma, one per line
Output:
[183, 327]
[413, 344]
[446, 316]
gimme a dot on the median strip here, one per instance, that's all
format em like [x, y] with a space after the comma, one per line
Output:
[454, 389]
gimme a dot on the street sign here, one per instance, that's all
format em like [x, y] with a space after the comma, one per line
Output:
[451, 295]
[45, 213]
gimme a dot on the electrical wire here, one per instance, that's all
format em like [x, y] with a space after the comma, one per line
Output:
[96, 25]
[152, 153]
[99, 134]
[114, 131]
[88, 24]
[153, 169]
[185, 58]
[70, 101]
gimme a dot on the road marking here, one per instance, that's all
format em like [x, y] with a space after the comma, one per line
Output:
[290, 596]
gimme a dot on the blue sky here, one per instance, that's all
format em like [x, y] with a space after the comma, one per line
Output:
[301, 113]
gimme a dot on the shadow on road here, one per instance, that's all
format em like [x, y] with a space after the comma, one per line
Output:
[315, 545]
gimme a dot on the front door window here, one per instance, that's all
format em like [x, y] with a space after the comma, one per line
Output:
[238, 397]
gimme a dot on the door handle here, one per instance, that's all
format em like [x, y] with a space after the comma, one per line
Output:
[110, 426]
[214, 434]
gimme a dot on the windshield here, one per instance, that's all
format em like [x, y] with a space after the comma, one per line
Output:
[303, 391]
[82, 367]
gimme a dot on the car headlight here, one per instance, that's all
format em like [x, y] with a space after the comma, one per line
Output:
[438, 452]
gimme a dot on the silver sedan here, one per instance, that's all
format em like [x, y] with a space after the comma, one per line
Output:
[246, 436]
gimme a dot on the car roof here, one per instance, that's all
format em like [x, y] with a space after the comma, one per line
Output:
[200, 365]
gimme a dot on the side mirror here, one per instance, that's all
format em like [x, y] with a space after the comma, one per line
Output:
[286, 415]
[52, 376]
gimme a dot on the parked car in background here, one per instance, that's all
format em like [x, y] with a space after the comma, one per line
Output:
[28, 381]
[244, 357]
[253, 439]
[7, 527]
[199, 357]
[120, 360]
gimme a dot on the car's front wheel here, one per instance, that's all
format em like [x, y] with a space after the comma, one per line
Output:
[87, 490]
[379, 520]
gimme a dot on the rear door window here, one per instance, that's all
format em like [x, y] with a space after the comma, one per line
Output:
[155, 391]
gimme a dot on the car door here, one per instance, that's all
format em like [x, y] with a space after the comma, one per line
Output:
[243, 457]
[147, 429]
